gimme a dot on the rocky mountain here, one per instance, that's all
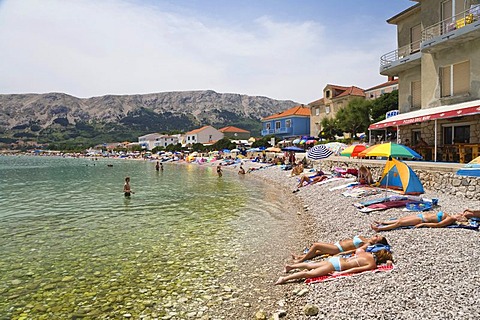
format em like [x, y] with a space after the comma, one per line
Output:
[58, 117]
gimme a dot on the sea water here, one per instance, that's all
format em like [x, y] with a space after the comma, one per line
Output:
[72, 246]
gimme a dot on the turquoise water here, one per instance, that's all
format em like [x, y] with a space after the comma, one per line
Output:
[74, 247]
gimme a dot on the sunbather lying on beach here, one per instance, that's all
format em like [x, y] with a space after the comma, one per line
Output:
[361, 261]
[317, 177]
[470, 213]
[345, 246]
[431, 220]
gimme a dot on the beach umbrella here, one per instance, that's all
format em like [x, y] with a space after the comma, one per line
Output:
[310, 141]
[336, 147]
[273, 149]
[390, 149]
[353, 150]
[294, 149]
[319, 152]
[471, 169]
[296, 141]
[234, 150]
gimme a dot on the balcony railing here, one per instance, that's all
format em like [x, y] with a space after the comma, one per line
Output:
[456, 22]
[276, 131]
[400, 53]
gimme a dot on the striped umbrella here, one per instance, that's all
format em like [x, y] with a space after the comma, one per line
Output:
[471, 169]
[319, 152]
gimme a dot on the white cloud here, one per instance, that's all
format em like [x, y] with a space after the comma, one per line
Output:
[88, 47]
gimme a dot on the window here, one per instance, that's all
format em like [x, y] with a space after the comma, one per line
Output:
[267, 126]
[416, 92]
[327, 93]
[277, 125]
[455, 79]
[288, 123]
[317, 111]
[456, 134]
[327, 109]
[415, 38]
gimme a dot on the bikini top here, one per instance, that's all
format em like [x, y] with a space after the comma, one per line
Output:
[357, 242]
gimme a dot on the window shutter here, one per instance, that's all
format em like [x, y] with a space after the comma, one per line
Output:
[445, 81]
[461, 78]
[416, 90]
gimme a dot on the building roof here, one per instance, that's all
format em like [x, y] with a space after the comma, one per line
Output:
[319, 101]
[383, 85]
[198, 130]
[405, 13]
[232, 129]
[443, 112]
[295, 111]
[351, 91]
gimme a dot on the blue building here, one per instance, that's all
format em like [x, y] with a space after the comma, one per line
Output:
[290, 123]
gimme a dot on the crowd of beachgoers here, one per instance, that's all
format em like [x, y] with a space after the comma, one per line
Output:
[432, 272]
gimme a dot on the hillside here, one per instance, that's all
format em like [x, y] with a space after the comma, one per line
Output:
[59, 118]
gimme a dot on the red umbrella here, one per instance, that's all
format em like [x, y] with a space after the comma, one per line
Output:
[353, 150]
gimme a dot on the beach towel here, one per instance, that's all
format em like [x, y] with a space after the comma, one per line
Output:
[335, 275]
[361, 192]
[384, 206]
[366, 203]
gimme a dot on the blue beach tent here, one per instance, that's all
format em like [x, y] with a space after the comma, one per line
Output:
[398, 175]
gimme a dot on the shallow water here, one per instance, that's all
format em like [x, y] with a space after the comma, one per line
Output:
[73, 246]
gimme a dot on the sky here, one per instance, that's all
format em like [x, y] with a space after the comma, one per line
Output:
[281, 49]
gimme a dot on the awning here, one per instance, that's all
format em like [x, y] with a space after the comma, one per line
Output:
[443, 112]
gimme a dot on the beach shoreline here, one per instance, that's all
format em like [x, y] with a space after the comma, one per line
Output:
[431, 264]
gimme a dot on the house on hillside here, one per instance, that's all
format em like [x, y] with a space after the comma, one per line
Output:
[204, 135]
[381, 89]
[290, 123]
[438, 68]
[232, 132]
[152, 140]
[334, 98]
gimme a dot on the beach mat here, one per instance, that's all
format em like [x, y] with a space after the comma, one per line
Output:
[335, 275]
[384, 206]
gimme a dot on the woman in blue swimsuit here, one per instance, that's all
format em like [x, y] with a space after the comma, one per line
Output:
[432, 220]
[361, 261]
[344, 247]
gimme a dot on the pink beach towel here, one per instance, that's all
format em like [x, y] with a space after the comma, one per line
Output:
[335, 275]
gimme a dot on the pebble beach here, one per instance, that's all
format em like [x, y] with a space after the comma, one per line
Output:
[436, 274]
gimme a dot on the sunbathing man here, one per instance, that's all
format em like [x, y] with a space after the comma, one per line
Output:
[340, 247]
[431, 220]
[361, 261]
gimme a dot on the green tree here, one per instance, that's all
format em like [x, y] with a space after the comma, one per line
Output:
[174, 147]
[355, 117]
[329, 129]
[263, 142]
[383, 104]
[198, 147]
[223, 143]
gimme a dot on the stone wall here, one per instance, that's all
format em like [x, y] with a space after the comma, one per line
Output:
[436, 177]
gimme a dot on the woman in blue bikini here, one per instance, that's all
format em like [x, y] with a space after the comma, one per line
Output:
[361, 261]
[340, 247]
[432, 220]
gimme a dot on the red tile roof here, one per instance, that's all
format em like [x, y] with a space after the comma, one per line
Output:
[385, 84]
[232, 129]
[295, 111]
[352, 91]
[197, 130]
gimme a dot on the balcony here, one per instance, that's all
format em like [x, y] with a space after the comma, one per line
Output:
[279, 131]
[401, 59]
[461, 28]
